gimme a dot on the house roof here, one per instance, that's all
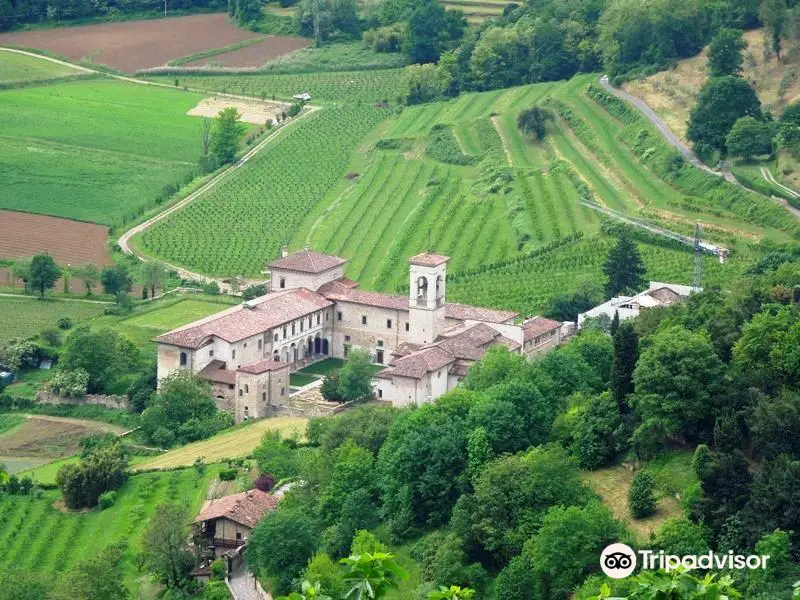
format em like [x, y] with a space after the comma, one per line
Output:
[537, 326]
[428, 260]
[465, 312]
[245, 508]
[263, 366]
[346, 291]
[216, 371]
[307, 261]
[421, 362]
[248, 319]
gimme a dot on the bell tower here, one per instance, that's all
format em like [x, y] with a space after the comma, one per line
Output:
[427, 275]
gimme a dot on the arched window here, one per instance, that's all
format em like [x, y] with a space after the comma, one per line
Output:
[184, 359]
[422, 289]
[276, 356]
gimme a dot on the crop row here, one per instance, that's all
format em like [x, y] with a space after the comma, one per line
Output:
[339, 86]
[240, 224]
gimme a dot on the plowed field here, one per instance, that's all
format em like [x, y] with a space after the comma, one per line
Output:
[254, 55]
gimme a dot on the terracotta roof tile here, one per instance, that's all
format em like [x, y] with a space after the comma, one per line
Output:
[465, 312]
[537, 326]
[245, 508]
[428, 260]
[342, 292]
[307, 261]
[263, 366]
[248, 319]
[423, 361]
[216, 371]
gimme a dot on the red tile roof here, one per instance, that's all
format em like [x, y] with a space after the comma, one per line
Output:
[537, 326]
[428, 260]
[245, 508]
[421, 362]
[307, 261]
[344, 292]
[263, 366]
[248, 319]
[465, 312]
[216, 371]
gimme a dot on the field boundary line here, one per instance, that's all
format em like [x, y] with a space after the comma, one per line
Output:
[85, 300]
[124, 240]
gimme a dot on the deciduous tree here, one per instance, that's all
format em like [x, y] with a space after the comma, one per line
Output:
[43, 273]
[164, 546]
[725, 54]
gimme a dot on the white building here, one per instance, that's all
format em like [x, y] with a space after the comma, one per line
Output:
[628, 307]
[313, 311]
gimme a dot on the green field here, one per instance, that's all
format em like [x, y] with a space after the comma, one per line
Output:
[368, 86]
[23, 317]
[17, 68]
[241, 223]
[37, 536]
[98, 151]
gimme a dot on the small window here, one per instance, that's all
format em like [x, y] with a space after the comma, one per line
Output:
[184, 359]
[241, 393]
[439, 374]
[284, 332]
[275, 339]
[211, 352]
[318, 318]
[283, 391]
[233, 354]
[259, 344]
[363, 319]
[282, 282]
[230, 386]
[388, 323]
[246, 389]
[347, 338]
[263, 396]
[380, 343]
[301, 324]
[407, 326]
[293, 328]
[339, 316]
[380, 393]
[245, 344]
[311, 321]
[238, 535]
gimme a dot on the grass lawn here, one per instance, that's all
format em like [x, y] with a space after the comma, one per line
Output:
[323, 367]
[234, 443]
[46, 474]
[300, 379]
[28, 383]
[612, 486]
[19, 67]
[39, 537]
[26, 316]
[98, 150]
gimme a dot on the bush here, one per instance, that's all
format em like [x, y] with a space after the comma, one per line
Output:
[64, 323]
[227, 474]
[264, 482]
[641, 499]
[51, 336]
[82, 484]
[72, 384]
[107, 499]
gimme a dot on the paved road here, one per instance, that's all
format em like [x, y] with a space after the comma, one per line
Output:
[675, 141]
[243, 586]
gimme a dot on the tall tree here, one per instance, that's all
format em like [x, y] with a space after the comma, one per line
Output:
[721, 102]
[725, 55]
[116, 281]
[44, 273]
[355, 377]
[626, 353]
[228, 133]
[773, 15]
[165, 553]
[432, 30]
[624, 267]
[90, 276]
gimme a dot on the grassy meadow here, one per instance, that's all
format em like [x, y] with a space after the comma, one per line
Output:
[18, 68]
[26, 316]
[98, 150]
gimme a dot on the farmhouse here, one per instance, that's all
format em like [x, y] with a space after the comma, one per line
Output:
[313, 311]
[627, 307]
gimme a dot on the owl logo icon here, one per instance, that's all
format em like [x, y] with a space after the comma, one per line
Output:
[618, 561]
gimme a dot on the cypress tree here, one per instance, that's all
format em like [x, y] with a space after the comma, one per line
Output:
[626, 353]
[624, 267]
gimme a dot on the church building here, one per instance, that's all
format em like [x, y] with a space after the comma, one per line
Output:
[312, 311]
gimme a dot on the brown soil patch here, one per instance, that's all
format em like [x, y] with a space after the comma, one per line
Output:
[49, 437]
[252, 111]
[254, 55]
[23, 235]
[135, 45]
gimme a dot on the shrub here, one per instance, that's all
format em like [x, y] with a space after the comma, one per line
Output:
[641, 499]
[227, 474]
[72, 384]
[107, 499]
[51, 336]
[64, 323]
[264, 482]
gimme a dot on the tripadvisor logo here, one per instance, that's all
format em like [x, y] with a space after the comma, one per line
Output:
[619, 561]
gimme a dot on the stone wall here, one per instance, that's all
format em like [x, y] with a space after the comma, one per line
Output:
[120, 402]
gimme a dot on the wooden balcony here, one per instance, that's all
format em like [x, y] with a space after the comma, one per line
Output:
[227, 543]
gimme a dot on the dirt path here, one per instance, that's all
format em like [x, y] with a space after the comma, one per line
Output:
[676, 142]
[767, 174]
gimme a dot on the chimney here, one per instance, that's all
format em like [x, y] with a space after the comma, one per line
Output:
[284, 251]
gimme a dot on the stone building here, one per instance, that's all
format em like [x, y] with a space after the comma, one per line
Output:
[313, 311]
